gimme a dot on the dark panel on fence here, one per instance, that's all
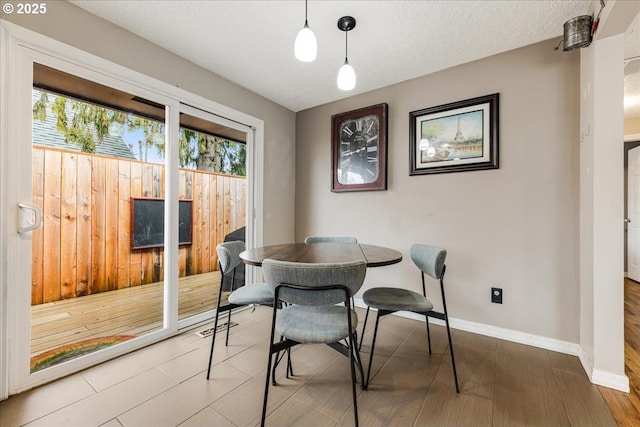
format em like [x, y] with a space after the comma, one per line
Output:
[147, 227]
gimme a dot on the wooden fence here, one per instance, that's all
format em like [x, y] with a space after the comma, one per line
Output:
[84, 246]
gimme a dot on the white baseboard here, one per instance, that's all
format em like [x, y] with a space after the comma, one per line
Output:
[603, 378]
[606, 379]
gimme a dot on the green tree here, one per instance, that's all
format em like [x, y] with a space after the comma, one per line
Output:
[85, 125]
[432, 129]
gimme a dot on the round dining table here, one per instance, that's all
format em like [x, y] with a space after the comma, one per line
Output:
[323, 252]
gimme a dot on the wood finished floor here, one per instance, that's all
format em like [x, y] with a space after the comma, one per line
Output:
[625, 407]
[502, 384]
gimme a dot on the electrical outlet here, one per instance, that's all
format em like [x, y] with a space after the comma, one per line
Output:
[496, 295]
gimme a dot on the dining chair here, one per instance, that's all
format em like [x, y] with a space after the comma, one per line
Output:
[260, 293]
[315, 309]
[334, 239]
[431, 262]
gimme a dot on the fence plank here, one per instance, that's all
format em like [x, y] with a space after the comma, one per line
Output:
[183, 250]
[227, 205]
[68, 243]
[147, 191]
[197, 224]
[51, 219]
[111, 224]
[136, 270]
[220, 207]
[124, 225]
[83, 223]
[98, 224]
[37, 235]
[205, 203]
[214, 237]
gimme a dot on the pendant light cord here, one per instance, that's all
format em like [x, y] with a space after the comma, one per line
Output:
[306, 23]
[346, 45]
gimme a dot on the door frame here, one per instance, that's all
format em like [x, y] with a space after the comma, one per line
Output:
[205, 115]
[630, 142]
[15, 42]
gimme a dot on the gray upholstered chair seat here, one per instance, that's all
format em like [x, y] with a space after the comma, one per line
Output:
[430, 260]
[396, 299]
[259, 293]
[312, 305]
[306, 324]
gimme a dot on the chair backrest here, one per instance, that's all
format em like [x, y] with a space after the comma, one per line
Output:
[229, 255]
[313, 275]
[334, 239]
[429, 259]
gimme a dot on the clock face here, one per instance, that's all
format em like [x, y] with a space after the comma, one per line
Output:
[358, 150]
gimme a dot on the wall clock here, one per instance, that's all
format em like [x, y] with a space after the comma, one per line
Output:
[359, 149]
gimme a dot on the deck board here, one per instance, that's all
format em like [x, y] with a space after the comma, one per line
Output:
[130, 311]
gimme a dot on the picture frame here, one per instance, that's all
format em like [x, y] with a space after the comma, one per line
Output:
[359, 149]
[456, 137]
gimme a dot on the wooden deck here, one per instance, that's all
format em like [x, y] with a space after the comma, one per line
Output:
[625, 407]
[130, 311]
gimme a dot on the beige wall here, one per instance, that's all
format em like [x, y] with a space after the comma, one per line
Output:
[514, 228]
[632, 127]
[74, 26]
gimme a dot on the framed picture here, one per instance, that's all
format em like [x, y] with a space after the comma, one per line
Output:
[456, 137]
[359, 149]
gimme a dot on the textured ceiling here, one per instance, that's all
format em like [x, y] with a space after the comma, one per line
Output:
[251, 42]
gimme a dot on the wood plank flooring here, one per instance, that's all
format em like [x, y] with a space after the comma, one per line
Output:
[130, 311]
[626, 407]
[502, 384]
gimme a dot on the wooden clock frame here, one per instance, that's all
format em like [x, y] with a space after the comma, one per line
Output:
[364, 137]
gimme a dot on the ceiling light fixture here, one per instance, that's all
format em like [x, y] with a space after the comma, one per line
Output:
[346, 75]
[306, 46]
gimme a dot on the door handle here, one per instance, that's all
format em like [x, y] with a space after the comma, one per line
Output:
[29, 222]
[627, 220]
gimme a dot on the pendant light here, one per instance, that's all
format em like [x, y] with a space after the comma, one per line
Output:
[346, 75]
[306, 46]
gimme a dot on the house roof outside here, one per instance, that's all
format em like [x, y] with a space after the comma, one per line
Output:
[45, 134]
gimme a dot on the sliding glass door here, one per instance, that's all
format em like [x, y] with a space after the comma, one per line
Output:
[93, 156]
[212, 181]
[120, 196]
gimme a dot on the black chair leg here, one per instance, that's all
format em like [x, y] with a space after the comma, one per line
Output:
[353, 376]
[426, 318]
[445, 316]
[266, 385]
[273, 368]
[213, 335]
[279, 357]
[226, 342]
[453, 360]
[366, 317]
[266, 388]
[358, 360]
[289, 365]
[373, 346]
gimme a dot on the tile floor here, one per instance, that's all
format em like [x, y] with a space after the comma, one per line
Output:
[502, 384]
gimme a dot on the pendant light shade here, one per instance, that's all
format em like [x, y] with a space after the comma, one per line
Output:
[346, 75]
[306, 46]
